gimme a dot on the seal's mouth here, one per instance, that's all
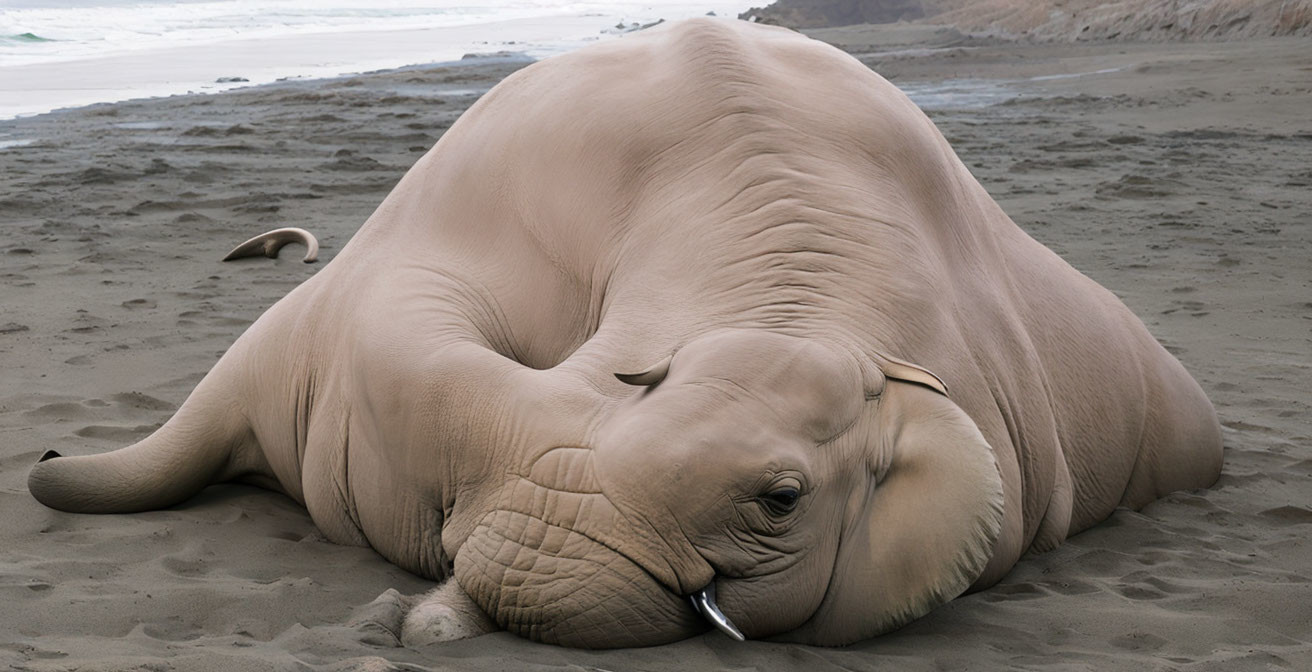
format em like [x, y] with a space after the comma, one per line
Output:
[556, 585]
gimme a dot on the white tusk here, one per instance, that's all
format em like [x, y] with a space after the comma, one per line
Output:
[269, 243]
[703, 601]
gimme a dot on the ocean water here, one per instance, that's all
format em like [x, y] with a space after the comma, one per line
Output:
[59, 54]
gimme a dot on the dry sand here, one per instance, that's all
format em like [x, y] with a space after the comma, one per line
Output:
[1182, 181]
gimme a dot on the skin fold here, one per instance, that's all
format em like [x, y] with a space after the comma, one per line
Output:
[852, 388]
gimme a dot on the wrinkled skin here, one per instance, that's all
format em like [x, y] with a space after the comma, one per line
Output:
[881, 391]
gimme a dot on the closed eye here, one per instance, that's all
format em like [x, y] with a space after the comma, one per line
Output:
[780, 501]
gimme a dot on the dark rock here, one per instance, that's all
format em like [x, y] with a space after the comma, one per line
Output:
[827, 13]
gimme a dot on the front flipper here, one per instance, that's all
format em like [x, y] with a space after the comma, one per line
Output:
[444, 614]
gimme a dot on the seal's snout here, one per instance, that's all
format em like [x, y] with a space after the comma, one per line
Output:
[48, 455]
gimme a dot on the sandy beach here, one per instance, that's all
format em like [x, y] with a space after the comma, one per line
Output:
[1178, 175]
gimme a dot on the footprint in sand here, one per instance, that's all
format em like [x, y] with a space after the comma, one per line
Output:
[1151, 581]
[1288, 515]
[1304, 467]
[1014, 592]
[172, 629]
[142, 413]
[1125, 140]
[1070, 587]
[141, 401]
[211, 318]
[59, 412]
[1138, 641]
[183, 566]
[1140, 592]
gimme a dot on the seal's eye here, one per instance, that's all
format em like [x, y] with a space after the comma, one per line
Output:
[781, 500]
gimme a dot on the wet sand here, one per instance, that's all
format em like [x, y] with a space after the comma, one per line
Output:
[1177, 175]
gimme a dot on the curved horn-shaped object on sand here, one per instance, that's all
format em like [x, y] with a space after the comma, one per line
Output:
[704, 602]
[270, 242]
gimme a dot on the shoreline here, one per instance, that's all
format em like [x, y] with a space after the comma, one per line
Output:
[1180, 180]
[172, 67]
[468, 59]
[89, 82]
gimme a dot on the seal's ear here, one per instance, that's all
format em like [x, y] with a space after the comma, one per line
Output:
[653, 375]
[906, 371]
[887, 368]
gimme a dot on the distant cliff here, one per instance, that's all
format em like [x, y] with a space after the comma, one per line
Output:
[1061, 20]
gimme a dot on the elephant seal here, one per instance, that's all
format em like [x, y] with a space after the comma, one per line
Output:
[850, 387]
